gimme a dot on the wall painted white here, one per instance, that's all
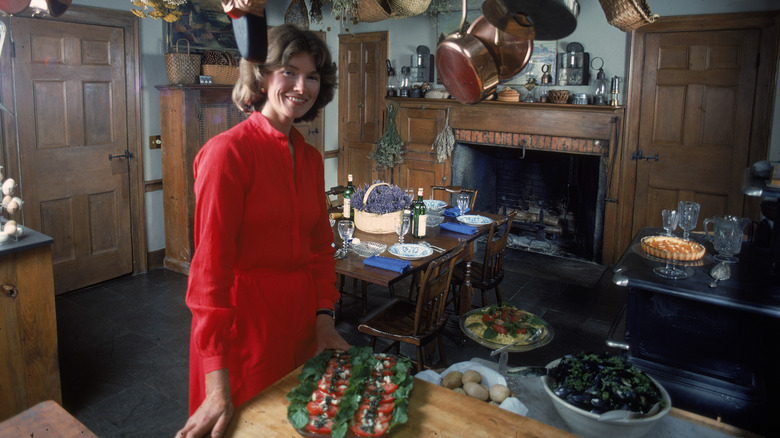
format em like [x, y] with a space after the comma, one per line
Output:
[593, 32]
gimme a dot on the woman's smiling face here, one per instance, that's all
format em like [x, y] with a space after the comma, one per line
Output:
[292, 89]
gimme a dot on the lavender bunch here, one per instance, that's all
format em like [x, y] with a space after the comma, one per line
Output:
[382, 199]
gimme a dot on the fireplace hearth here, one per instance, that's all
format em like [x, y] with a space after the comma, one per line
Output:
[556, 196]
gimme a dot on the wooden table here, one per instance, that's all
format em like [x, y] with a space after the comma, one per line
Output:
[46, 419]
[433, 411]
[352, 265]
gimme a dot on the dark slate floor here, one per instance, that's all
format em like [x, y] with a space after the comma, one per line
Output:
[124, 343]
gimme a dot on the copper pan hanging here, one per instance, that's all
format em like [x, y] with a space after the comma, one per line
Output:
[12, 7]
[511, 53]
[53, 8]
[466, 67]
[533, 19]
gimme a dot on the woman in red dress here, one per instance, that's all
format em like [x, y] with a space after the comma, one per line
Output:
[262, 279]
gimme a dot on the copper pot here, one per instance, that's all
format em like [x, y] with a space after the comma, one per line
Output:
[466, 67]
[511, 53]
[533, 19]
[12, 7]
[54, 8]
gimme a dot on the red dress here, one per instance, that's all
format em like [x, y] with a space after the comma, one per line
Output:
[263, 261]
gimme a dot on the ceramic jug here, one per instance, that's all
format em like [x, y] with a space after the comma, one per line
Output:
[727, 236]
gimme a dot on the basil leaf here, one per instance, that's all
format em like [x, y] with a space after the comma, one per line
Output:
[489, 333]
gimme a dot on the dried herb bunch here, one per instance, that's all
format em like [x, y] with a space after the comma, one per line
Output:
[388, 150]
[382, 199]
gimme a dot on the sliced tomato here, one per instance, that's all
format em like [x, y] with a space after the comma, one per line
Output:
[498, 328]
[487, 317]
[389, 387]
[319, 424]
[377, 427]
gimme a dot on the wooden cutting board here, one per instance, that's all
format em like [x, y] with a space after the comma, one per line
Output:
[433, 411]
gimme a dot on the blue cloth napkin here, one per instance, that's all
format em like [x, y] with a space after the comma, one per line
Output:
[388, 263]
[454, 211]
[458, 228]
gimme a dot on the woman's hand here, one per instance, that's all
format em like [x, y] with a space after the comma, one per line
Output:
[215, 412]
[328, 338]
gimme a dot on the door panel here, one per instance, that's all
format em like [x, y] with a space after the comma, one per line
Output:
[74, 76]
[695, 113]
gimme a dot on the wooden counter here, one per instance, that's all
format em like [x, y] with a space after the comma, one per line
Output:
[433, 411]
[46, 419]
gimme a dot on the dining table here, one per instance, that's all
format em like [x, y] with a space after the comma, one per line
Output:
[352, 265]
[433, 411]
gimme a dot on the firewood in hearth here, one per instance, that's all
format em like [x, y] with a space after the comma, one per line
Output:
[553, 230]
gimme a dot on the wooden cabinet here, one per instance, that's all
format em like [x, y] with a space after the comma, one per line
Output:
[418, 128]
[362, 83]
[29, 369]
[189, 116]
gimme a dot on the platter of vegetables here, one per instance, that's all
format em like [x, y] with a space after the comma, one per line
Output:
[356, 393]
[500, 326]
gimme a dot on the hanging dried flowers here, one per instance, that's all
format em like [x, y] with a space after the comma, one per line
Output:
[387, 152]
[167, 10]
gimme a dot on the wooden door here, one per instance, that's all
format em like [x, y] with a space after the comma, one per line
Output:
[362, 83]
[71, 78]
[698, 101]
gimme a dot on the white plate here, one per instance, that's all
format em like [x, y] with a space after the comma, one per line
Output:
[434, 204]
[474, 219]
[410, 251]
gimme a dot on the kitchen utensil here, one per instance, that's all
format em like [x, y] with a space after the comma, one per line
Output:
[466, 67]
[727, 237]
[251, 33]
[670, 219]
[533, 19]
[510, 53]
[721, 271]
[530, 340]
[54, 8]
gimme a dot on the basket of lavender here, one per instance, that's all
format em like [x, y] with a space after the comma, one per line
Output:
[378, 207]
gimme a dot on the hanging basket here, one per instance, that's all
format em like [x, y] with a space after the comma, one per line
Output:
[627, 15]
[376, 223]
[408, 8]
[182, 68]
[371, 11]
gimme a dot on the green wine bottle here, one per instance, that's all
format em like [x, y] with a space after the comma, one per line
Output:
[419, 215]
[348, 210]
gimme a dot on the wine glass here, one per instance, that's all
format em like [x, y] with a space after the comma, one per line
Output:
[402, 227]
[689, 215]
[463, 203]
[670, 219]
[346, 228]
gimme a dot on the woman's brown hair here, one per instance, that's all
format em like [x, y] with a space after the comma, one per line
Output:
[283, 42]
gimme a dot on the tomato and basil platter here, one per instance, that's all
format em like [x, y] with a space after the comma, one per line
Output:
[352, 393]
[504, 324]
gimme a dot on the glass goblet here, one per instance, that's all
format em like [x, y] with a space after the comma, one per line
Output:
[463, 203]
[402, 227]
[346, 228]
[670, 219]
[689, 215]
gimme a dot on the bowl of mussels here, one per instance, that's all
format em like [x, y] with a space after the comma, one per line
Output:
[600, 395]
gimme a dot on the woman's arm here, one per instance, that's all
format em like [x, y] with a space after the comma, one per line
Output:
[215, 412]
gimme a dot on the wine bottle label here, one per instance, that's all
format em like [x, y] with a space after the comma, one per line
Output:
[346, 208]
[422, 225]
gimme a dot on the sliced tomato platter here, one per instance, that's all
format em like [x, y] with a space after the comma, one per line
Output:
[350, 394]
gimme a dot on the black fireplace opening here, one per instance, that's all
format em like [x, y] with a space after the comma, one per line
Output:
[558, 197]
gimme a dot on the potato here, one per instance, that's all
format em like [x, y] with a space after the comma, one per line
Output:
[460, 390]
[472, 376]
[476, 390]
[452, 380]
[499, 392]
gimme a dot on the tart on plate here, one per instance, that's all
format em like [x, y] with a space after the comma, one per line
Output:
[505, 325]
[672, 248]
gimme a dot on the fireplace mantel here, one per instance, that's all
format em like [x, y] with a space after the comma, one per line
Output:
[563, 128]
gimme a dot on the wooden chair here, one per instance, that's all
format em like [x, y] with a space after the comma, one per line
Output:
[337, 192]
[490, 272]
[456, 190]
[420, 322]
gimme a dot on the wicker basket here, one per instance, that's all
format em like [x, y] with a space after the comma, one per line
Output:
[508, 95]
[558, 96]
[408, 8]
[627, 15]
[221, 67]
[182, 68]
[376, 223]
[371, 11]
